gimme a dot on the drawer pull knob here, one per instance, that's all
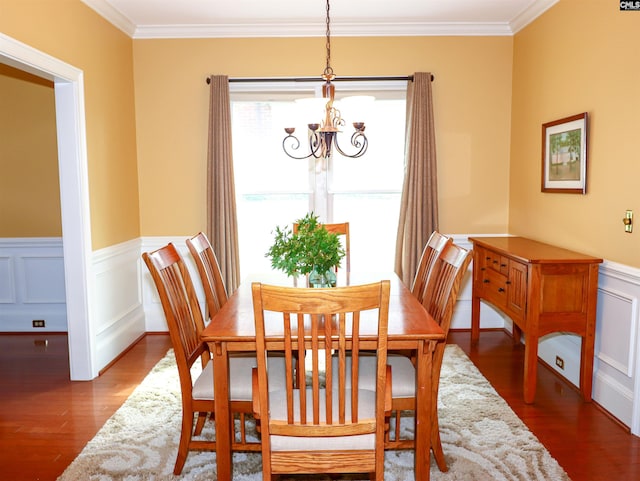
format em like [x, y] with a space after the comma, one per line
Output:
[500, 289]
[503, 265]
[486, 281]
[508, 282]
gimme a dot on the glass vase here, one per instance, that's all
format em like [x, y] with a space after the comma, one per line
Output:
[324, 279]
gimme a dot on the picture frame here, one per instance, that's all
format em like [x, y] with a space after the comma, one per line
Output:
[564, 155]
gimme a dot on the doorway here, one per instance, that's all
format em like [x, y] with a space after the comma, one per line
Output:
[74, 194]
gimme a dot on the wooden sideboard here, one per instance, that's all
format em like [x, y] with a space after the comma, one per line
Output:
[543, 289]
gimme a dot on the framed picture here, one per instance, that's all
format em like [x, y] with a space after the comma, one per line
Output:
[564, 155]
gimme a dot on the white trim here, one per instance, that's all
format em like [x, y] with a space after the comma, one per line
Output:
[532, 12]
[74, 194]
[117, 19]
[280, 30]
[316, 29]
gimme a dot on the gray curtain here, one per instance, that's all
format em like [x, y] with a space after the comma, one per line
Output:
[419, 204]
[222, 222]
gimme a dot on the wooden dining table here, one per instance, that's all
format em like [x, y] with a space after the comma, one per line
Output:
[232, 329]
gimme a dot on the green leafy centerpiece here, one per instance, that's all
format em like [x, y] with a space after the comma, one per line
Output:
[311, 250]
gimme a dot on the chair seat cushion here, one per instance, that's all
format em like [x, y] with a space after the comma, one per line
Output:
[240, 367]
[403, 374]
[278, 409]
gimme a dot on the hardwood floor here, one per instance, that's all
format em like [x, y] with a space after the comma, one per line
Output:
[45, 419]
[586, 441]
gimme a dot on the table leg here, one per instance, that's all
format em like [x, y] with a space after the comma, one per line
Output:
[424, 363]
[222, 410]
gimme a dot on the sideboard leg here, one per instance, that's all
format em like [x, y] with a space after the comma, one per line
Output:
[475, 319]
[530, 368]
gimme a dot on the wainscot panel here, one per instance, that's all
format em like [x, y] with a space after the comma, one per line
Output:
[119, 314]
[32, 285]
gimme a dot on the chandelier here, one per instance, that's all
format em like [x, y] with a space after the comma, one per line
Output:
[322, 138]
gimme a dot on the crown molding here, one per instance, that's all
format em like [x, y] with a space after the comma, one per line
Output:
[414, 29]
[317, 29]
[529, 14]
[113, 16]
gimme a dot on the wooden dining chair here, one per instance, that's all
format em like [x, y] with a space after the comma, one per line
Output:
[440, 296]
[208, 267]
[184, 320]
[215, 294]
[314, 427]
[432, 249]
[342, 229]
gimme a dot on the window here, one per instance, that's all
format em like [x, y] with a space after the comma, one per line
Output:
[273, 189]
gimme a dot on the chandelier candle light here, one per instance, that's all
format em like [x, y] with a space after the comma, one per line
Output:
[323, 138]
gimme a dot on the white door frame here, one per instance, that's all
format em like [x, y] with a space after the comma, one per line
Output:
[74, 195]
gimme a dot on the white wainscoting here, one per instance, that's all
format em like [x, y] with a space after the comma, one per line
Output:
[118, 311]
[32, 284]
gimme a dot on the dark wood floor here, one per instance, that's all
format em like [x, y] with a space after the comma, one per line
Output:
[587, 443]
[45, 419]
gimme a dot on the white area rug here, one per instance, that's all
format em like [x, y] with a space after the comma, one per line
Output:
[482, 437]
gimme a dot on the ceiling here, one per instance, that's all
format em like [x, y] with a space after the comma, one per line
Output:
[296, 18]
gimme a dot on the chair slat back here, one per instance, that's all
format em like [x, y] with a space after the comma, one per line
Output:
[435, 245]
[441, 290]
[317, 323]
[181, 308]
[209, 270]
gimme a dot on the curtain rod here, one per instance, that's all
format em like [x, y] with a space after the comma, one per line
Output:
[316, 79]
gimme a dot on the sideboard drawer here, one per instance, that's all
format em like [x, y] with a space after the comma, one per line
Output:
[494, 285]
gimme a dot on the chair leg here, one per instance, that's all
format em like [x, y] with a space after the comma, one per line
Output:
[243, 431]
[438, 453]
[436, 447]
[202, 417]
[185, 439]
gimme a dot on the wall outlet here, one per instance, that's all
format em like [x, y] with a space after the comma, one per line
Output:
[38, 323]
[559, 362]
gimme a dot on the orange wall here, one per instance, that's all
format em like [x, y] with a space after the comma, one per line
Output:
[472, 97]
[581, 55]
[29, 187]
[73, 33]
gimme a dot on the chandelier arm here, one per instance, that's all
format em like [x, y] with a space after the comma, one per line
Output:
[295, 144]
[358, 140]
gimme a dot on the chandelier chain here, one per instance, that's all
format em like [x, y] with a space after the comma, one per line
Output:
[328, 71]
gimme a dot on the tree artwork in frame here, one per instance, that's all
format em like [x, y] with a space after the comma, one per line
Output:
[564, 155]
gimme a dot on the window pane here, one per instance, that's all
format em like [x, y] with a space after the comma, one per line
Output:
[258, 216]
[373, 224]
[259, 163]
[273, 189]
[381, 168]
